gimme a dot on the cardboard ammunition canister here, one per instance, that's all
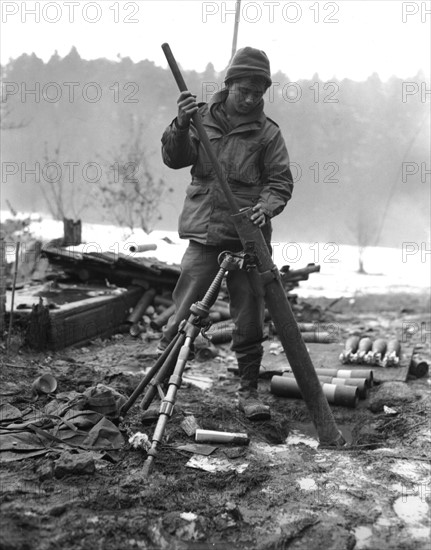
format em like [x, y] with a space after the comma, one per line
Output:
[317, 337]
[418, 366]
[212, 436]
[361, 383]
[133, 247]
[160, 320]
[347, 373]
[139, 310]
[343, 395]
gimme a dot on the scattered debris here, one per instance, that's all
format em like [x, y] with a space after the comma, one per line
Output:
[74, 464]
[190, 425]
[140, 440]
[197, 448]
[215, 465]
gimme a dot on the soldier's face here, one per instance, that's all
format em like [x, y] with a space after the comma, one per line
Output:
[245, 94]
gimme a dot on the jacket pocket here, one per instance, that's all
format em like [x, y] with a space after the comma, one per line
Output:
[195, 190]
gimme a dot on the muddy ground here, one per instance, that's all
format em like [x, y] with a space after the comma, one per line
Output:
[285, 492]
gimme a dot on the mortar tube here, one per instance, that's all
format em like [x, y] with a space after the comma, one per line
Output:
[346, 396]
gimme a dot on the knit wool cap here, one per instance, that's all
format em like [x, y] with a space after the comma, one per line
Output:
[248, 62]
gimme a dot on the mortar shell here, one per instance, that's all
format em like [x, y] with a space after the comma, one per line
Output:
[379, 346]
[351, 344]
[394, 347]
[343, 395]
[365, 345]
[350, 348]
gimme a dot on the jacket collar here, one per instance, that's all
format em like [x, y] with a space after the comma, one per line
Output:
[248, 122]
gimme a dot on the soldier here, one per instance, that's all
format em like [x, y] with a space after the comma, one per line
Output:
[254, 158]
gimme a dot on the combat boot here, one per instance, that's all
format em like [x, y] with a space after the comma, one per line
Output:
[248, 398]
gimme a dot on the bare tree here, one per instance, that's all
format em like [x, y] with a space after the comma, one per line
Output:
[130, 193]
[64, 199]
[6, 111]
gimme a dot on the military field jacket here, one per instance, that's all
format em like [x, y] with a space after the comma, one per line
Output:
[255, 162]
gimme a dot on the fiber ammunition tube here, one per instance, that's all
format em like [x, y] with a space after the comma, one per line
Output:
[345, 396]
[160, 320]
[361, 383]
[347, 373]
[141, 306]
[418, 366]
[211, 436]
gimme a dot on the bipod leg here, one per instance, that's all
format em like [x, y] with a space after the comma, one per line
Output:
[168, 402]
[199, 313]
[164, 372]
[147, 378]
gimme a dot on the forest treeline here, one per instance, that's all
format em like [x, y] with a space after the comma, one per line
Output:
[359, 150]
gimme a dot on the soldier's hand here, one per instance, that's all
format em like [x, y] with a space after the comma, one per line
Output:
[258, 217]
[187, 107]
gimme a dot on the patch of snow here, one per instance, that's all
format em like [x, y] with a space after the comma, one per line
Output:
[363, 536]
[296, 438]
[414, 511]
[307, 484]
[390, 269]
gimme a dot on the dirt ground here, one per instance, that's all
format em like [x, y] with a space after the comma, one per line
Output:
[281, 491]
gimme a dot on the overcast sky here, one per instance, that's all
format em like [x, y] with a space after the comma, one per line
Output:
[340, 39]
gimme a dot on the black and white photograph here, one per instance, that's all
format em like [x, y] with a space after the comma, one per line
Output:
[215, 238]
